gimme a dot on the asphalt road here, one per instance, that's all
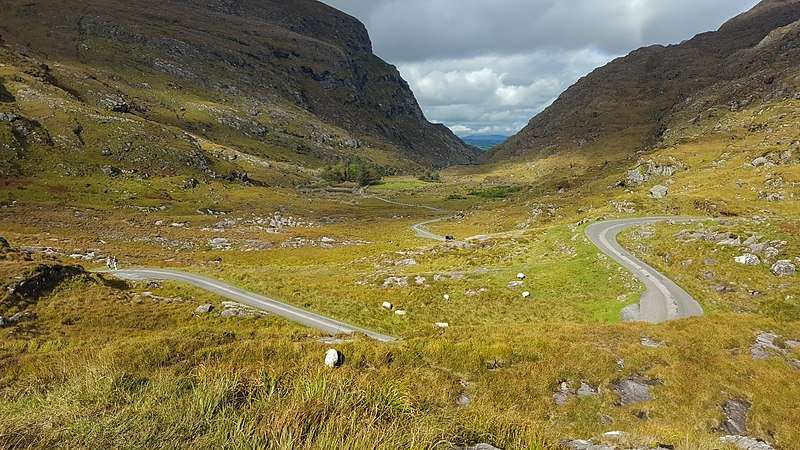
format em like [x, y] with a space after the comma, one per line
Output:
[292, 313]
[422, 232]
[664, 300]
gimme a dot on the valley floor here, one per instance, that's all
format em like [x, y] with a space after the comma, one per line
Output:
[94, 362]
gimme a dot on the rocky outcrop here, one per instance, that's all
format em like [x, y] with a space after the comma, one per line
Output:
[41, 281]
[735, 422]
[784, 268]
[634, 390]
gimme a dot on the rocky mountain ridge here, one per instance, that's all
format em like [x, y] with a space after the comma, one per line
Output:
[296, 76]
[639, 101]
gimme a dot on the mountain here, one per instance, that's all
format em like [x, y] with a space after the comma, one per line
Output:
[287, 81]
[485, 141]
[642, 100]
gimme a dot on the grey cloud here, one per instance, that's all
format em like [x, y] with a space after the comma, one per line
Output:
[493, 64]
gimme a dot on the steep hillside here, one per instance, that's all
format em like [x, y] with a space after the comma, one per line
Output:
[631, 103]
[292, 81]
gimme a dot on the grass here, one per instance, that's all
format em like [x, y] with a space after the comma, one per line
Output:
[102, 366]
[496, 192]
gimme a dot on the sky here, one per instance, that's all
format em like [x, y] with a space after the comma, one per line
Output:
[489, 66]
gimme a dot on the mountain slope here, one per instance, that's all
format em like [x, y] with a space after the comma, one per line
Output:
[632, 101]
[266, 76]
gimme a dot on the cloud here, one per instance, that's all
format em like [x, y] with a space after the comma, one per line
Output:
[491, 65]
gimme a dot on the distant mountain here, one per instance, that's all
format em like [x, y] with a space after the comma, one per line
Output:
[287, 80]
[485, 141]
[641, 100]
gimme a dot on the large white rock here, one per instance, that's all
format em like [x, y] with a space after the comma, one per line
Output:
[746, 443]
[748, 259]
[204, 309]
[334, 358]
[659, 191]
[784, 268]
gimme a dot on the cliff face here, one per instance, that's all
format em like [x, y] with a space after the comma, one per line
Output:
[262, 59]
[634, 101]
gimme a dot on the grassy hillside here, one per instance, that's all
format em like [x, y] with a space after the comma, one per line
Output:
[267, 78]
[121, 362]
[87, 361]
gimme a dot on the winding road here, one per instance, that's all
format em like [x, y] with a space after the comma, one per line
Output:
[664, 300]
[316, 321]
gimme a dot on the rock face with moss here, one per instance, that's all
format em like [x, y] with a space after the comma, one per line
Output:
[295, 75]
[656, 94]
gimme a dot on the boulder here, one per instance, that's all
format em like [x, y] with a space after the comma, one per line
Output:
[406, 262]
[563, 394]
[633, 390]
[651, 343]
[334, 358]
[635, 177]
[2, 322]
[748, 259]
[481, 446]
[395, 282]
[746, 443]
[419, 281]
[735, 422]
[613, 435]
[441, 325]
[581, 444]
[515, 284]
[233, 309]
[659, 191]
[220, 243]
[764, 346]
[784, 268]
[587, 390]
[204, 309]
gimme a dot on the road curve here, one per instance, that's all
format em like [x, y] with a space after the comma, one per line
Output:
[664, 300]
[422, 232]
[316, 321]
[420, 229]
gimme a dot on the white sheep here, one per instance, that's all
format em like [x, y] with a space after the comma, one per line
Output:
[521, 276]
[442, 325]
[334, 358]
[446, 297]
[526, 294]
[387, 305]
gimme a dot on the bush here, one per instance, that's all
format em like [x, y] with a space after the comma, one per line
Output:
[430, 176]
[496, 192]
[354, 172]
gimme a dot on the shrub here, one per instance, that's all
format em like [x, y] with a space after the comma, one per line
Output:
[354, 172]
